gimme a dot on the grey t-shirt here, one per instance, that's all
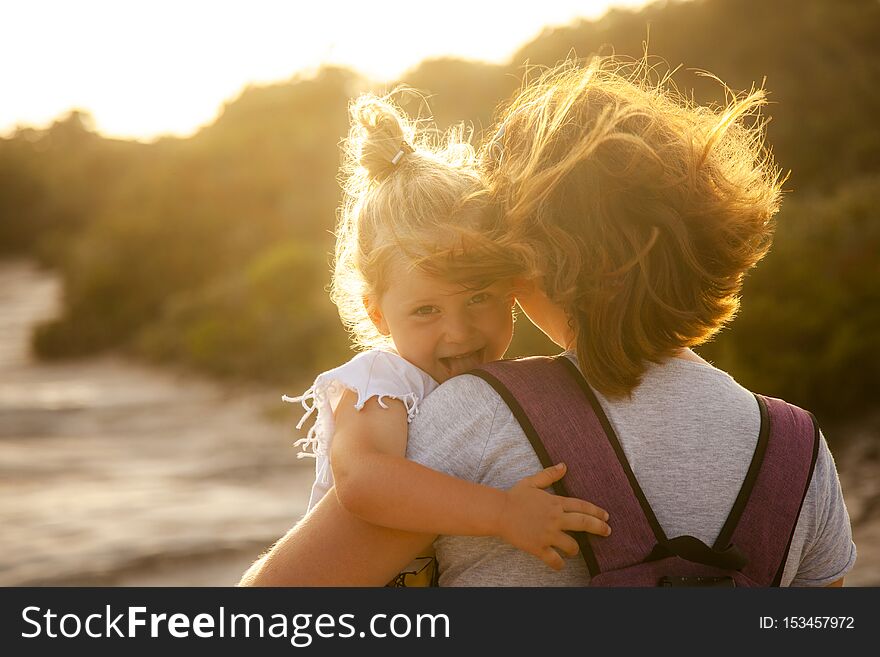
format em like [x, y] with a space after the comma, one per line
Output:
[689, 432]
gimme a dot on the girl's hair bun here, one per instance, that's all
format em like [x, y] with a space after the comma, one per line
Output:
[379, 139]
[405, 210]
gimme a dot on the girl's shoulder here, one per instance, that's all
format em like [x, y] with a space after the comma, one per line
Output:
[381, 371]
[375, 373]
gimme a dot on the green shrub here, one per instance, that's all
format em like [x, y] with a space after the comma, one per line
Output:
[272, 321]
[808, 326]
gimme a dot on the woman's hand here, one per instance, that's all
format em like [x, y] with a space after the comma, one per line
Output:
[536, 521]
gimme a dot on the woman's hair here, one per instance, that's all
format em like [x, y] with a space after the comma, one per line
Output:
[411, 199]
[641, 210]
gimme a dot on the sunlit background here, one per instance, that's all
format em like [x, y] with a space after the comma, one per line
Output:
[168, 189]
[144, 69]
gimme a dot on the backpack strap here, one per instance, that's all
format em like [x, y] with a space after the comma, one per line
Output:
[765, 514]
[562, 427]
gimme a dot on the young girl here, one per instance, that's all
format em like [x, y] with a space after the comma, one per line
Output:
[421, 283]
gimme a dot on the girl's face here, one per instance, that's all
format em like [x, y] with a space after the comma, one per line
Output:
[441, 327]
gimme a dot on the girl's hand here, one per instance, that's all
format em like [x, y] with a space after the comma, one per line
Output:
[536, 521]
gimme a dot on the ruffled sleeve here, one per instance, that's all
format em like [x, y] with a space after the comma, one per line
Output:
[376, 373]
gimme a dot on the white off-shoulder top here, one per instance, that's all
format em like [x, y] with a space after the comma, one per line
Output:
[375, 373]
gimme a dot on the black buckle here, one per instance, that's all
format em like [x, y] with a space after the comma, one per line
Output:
[693, 549]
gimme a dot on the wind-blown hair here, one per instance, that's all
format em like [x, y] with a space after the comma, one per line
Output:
[412, 199]
[640, 211]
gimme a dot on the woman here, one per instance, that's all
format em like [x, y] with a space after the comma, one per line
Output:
[638, 215]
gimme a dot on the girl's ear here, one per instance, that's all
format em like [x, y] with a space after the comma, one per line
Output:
[376, 316]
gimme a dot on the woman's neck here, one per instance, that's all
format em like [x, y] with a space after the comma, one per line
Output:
[683, 354]
[688, 354]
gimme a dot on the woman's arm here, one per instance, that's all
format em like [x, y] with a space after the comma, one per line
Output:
[332, 547]
[375, 482]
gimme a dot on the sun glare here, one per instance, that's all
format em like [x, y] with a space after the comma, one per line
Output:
[144, 69]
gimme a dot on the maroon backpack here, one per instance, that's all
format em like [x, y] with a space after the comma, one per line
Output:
[560, 415]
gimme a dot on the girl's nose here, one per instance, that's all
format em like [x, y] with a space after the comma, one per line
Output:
[459, 330]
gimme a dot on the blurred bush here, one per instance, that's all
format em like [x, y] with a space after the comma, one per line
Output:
[53, 182]
[266, 322]
[191, 212]
[808, 326]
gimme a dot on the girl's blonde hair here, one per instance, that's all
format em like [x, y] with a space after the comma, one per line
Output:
[411, 199]
[641, 211]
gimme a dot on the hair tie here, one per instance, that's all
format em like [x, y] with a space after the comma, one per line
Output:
[404, 149]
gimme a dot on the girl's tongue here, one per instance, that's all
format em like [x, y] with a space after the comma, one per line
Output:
[462, 363]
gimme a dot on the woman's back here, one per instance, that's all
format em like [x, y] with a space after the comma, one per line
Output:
[689, 432]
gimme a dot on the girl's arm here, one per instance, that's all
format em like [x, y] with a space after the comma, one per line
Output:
[375, 482]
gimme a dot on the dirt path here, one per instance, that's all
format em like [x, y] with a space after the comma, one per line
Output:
[117, 473]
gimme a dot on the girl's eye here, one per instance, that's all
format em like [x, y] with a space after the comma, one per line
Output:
[480, 298]
[425, 310]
